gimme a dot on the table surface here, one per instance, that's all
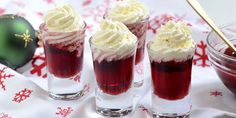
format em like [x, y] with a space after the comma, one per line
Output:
[25, 94]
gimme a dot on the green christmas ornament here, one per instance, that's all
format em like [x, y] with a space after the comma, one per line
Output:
[18, 41]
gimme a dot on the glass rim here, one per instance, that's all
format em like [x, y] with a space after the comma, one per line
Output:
[41, 28]
[212, 49]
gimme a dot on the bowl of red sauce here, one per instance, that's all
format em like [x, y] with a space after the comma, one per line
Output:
[222, 57]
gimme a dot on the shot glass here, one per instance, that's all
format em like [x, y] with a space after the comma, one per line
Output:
[170, 87]
[114, 97]
[64, 62]
[139, 29]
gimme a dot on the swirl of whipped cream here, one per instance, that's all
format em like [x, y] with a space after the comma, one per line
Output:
[113, 41]
[128, 12]
[63, 19]
[173, 41]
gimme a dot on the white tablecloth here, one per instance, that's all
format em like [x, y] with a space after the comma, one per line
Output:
[23, 93]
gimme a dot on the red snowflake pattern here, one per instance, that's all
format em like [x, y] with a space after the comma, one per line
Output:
[38, 68]
[143, 108]
[139, 69]
[205, 32]
[2, 11]
[89, 28]
[19, 3]
[40, 14]
[87, 2]
[76, 78]
[64, 112]
[4, 115]
[201, 58]
[22, 95]
[49, 1]
[4, 76]
[86, 89]
[201, 21]
[180, 16]
[216, 93]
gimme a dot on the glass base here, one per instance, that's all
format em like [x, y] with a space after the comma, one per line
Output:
[64, 88]
[70, 96]
[163, 108]
[173, 115]
[108, 101]
[114, 112]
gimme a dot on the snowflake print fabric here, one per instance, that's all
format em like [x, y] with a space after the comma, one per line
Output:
[38, 64]
[24, 91]
[216, 93]
[22, 95]
[63, 112]
[3, 77]
[4, 115]
[201, 58]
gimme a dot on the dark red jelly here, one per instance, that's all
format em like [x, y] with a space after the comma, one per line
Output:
[171, 80]
[114, 77]
[61, 62]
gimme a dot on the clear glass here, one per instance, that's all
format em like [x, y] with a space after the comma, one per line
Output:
[224, 65]
[114, 92]
[139, 29]
[64, 59]
[171, 82]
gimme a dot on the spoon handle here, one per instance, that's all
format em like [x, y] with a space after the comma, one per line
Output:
[197, 7]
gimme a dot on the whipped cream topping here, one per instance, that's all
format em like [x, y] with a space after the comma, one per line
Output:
[63, 19]
[113, 41]
[173, 42]
[128, 12]
[65, 28]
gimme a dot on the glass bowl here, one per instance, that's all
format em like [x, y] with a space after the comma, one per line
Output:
[224, 65]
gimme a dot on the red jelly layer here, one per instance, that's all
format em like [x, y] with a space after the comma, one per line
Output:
[171, 80]
[114, 77]
[61, 62]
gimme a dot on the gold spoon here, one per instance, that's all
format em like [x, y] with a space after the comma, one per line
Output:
[197, 7]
